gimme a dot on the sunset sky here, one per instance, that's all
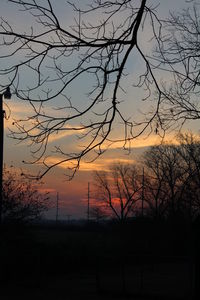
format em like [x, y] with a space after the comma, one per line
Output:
[73, 194]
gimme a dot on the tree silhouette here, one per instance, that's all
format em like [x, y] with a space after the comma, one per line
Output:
[164, 163]
[118, 190]
[60, 58]
[178, 55]
[172, 183]
[21, 200]
[189, 152]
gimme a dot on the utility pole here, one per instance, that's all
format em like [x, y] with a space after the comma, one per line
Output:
[88, 203]
[6, 95]
[68, 218]
[57, 207]
[142, 192]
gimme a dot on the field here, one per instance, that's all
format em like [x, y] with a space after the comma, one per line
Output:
[39, 262]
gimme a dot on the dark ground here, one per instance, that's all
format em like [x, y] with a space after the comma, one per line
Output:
[142, 260]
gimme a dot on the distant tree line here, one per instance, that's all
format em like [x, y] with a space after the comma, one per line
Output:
[165, 183]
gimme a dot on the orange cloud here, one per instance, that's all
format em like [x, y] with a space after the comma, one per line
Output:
[84, 165]
[16, 110]
[99, 165]
[67, 131]
[139, 142]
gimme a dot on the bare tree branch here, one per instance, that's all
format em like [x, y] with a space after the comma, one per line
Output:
[178, 55]
[58, 60]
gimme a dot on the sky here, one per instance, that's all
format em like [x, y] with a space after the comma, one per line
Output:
[73, 194]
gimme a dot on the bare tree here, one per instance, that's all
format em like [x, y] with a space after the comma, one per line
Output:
[178, 55]
[58, 57]
[154, 192]
[172, 179]
[167, 179]
[118, 190]
[22, 202]
[189, 152]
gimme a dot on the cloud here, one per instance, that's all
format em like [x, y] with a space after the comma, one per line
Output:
[16, 110]
[85, 166]
[65, 132]
[140, 142]
[101, 164]
[111, 156]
